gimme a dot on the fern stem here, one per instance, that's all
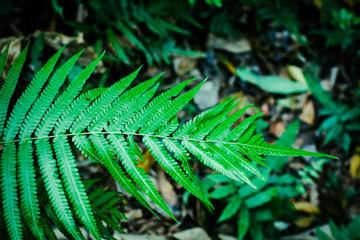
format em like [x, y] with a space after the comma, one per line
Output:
[118, 133]
[125, 133]
[283, 151]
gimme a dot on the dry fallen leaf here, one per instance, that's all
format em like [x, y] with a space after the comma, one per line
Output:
[309, 234]
[183, 65]
[228, 64]
[355, 164]
[226, 237]
[74, 45]
[308, 113]
[14, 49]
[192, 234]
[277, 128]
[208, 95]
[149, 161]
[134, 214]
[296, 73]
[238, 45]
[166, 188]
[306, 207]
[304, 222]
[127, 236]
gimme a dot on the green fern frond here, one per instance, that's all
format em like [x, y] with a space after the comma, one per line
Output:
[139, 176]
[28, 191]
[195, 124]
[103, 124]
[9, 196]
[183, 156]
[116, 171]
[76, 108]
[24, 103]
[53, 216]
[221, 156]
[104, 100]
[122, 104]
[62, 102]
[170, 110]
[8, 88]
[171, 167]
[153, 107]
[239, 130]
[131, 109]
[73, 184]
[206, 158]
[54, 187]
[45, 99]
[221, 129]
[48, 228]
[206, 127]
[232, 153]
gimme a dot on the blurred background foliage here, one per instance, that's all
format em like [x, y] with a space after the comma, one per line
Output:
[296, 60]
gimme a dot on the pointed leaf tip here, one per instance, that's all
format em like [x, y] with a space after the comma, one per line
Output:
[139, 68]
[102, 54]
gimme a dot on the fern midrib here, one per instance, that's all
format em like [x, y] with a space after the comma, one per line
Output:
[136, 134]
[292, 151]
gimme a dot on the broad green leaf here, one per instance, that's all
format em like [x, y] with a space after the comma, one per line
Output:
[256, 232]
[223, 191]
[272, 84]
[261, 198]
[321, 234]
[243, 222]
[231, 208]
[116, 45]
[263, 215]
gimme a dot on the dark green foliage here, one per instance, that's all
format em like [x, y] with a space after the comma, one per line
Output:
[105, 205]
[131, 21]
[350, 231]
[341, 125]
[44, 124]
[261, 206]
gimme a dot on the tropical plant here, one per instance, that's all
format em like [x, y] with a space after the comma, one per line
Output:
[43, 125]
[340, 26]
[217, 3]
[265, 205]
[341, 232]
[127, 22]
[341, 125]
[105, 205]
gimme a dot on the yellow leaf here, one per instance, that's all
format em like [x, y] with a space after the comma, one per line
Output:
[318, 4]
[306, 207]
[355, 164]
[296, 73]
[149, 161]
[166, 188]
[277, 128]
[228, 64]
[304, 222]
[349, 2]
[308, 113]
